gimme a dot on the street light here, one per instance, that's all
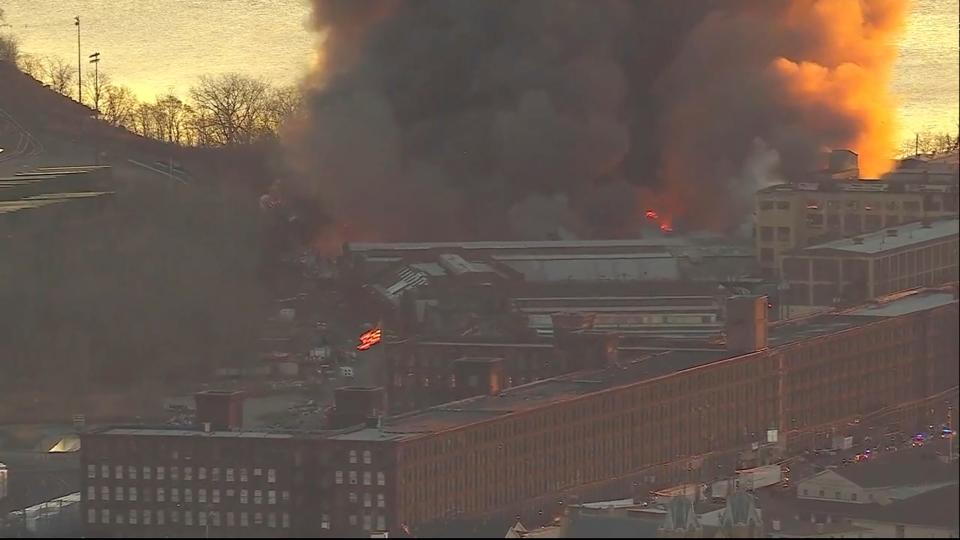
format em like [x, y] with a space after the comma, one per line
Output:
[76, 22]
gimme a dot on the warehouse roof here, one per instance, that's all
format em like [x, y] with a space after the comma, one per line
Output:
[892, 238]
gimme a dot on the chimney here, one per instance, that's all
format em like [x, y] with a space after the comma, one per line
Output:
[355, 405]
[746, 324]
[219, 410]
[478, 376]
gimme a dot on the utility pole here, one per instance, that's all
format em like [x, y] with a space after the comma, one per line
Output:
[95, 60]
[76, 21]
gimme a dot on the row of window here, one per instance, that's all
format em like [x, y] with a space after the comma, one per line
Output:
[230, 474]
[354, 498]
[366, 521]
[367, 457]
[186, 518]
[352, 477]
[131, 494]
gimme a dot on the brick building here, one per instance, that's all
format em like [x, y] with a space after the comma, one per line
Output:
[604, 430]
[837, 205]
[852, 270]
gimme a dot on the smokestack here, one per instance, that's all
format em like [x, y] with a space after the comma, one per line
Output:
[746, 325]
[219, 410]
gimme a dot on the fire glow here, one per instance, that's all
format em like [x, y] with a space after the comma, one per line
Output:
[369, 339]
[664, 224]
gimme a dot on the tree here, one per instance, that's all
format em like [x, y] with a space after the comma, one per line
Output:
[59, 75]
[929, 143]
[171, 120]
[119, 106]
[230, 109]
[9, 49]
[282, 104]
[95, 85]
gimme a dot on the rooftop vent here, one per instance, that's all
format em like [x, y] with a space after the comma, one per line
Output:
[891, 232]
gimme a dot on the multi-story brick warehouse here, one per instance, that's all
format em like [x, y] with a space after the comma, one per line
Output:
[599, 429]
[796, 215]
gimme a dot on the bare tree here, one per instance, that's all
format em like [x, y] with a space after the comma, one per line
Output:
[32, 66]
[282, 104]
[59, 75]
[230, 109]
[119, 106]
[171, 120]
[142, 120]
[9, 49]
[929, 144]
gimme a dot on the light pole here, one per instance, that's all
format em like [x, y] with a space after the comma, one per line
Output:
[95, 60]
[76, 22]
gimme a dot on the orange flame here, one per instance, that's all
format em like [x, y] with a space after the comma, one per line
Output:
[369, 339]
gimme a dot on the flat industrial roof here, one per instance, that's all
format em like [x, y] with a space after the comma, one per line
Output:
[881, 241]
[160, 432]
[904, 304]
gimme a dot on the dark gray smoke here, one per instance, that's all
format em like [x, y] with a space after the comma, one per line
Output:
[456, 119]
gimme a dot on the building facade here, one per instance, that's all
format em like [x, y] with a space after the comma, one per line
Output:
[853, 270]
[792, 216]
[611, 426]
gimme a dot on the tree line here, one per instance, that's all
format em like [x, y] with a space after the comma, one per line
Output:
[220, 110]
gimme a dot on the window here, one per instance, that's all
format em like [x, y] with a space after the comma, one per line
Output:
[118, 493]
[271, 476]
[271, 497]
[353, 478]
[285, 520]
[352, 496]
[201, 495]
[188, 473]
[174, 495]
[202, 519]
[257, 496]
[243, 475]
[91, 515]
[285, 496]
[353, 456]
[367, 478]
[766, 205]
[243, 496]
[381, 501]
[258, 472]
[215, 517]
[104, 471]
[161, 517]
[215, 495]
[230, 493]
[215, 474]
[367, 457]
[174, 516]
[367, 500]
[258, 518]
[187, 495]
[132, 472]
[161, 496]
[381, 523]
[105, 516]
[853, 496]
[325, 521]
[353, 520]
[146, 473]
[147, 517]
[187, 518]
[118, 518]
[243, 519]
[201, 473]
[230, 474]
[766, 234]
[104, 493]
[175, 473]
[118, 472]
[271, 520]
[836, 494]
[132, 494]
[338, 477]
[381, 479]
[91, 472]
[132, 517]
[230, 522]
[161, 473]
[91, 493]
[367, 522]
[821, 493]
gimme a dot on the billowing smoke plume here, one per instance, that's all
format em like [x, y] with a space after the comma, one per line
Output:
[451, 119]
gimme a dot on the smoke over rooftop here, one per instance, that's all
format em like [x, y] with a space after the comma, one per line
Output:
[458, 119]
